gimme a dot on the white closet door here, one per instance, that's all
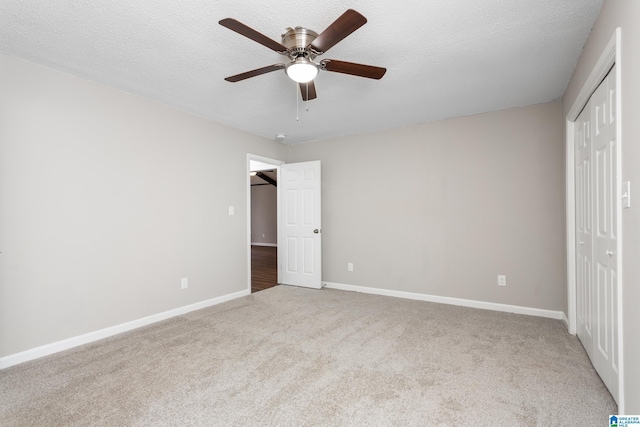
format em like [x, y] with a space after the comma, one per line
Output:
[584, 229]
[597, 198]
[605, 231]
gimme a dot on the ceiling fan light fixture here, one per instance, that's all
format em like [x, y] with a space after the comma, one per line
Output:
[301, 70]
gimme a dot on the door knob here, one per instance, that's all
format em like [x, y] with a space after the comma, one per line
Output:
[581, 242]
[610, 253]
[316, 231]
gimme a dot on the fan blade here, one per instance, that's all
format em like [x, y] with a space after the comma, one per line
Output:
[346, 24]
[361, 70]
[249, 32]
[308, 91]
[253, 73]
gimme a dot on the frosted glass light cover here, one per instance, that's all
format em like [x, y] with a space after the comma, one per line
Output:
[302, 71]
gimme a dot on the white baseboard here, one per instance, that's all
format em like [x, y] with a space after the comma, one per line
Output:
[271, 245]
[551, 314]
[45, 350]
[566, 321]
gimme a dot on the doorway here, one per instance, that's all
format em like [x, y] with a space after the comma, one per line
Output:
[298, 228]
[262, 202]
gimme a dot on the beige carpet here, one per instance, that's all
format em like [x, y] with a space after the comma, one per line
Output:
[297, 357]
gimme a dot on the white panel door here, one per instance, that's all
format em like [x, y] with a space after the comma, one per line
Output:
[584, 232]
[300, 245]
[605, 241]
[597, 195]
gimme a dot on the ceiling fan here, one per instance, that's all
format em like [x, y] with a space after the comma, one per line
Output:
[302, 46]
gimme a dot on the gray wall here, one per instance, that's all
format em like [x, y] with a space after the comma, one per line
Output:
[626, 15]
[264, 214]
[107, 200]
[443, 208]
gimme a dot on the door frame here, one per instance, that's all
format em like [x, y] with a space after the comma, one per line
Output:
[609, 57]
[277, 164]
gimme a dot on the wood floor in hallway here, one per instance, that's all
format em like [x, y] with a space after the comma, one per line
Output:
[264, 268]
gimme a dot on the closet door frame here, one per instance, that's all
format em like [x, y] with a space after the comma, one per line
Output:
[609, 57]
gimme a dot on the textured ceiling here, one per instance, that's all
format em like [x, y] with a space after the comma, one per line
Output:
[444, 58]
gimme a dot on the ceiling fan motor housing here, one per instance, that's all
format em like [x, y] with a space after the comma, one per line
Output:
[296, 41]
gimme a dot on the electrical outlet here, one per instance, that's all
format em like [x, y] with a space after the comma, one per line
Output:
[349, 266]
[184, 283]
[502, 280]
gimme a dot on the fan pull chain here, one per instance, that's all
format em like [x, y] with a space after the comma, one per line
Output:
[307, 102]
